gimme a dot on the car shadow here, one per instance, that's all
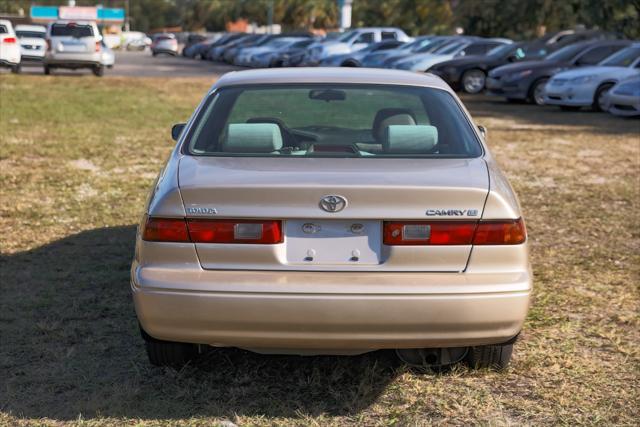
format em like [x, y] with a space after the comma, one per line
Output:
[71, 347]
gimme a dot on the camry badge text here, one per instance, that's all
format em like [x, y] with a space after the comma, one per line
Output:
[452, 212]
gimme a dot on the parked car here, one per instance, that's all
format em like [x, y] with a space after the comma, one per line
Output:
[332, 211]
[434, 45]
[9, 48]
[197, 50]
[284, 57]
[526, 80]
[588, 86]
[375, 59]
[244, 55]
[164, 43]
[32, 42]
[464, 47]
[230, 53]
[352, 41]
[469, 73]
[353, 59]
[74, 45]
[274, 56]
[194, 39]
[624, 98]
[216, 53]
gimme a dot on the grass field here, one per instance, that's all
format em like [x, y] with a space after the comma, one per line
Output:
[77, 156]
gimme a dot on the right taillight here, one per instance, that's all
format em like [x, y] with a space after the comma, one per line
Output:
[418, 233]
[510, 232]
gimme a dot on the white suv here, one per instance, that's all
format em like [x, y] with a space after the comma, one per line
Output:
[74, 45]
[32, 42]
[9, 47]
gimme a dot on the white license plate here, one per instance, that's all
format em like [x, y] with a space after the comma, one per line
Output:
[333, 242]
[74, 47]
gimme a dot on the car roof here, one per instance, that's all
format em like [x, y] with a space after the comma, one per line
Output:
[35, 28]
[331, 75]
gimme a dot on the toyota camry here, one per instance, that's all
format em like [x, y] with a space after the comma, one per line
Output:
[332, 211]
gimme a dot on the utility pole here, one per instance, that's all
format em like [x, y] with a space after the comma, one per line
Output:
[270, 17]
[345, 6]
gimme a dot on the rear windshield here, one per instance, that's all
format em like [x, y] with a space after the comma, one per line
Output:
[30, 34]
[332, 120]
[73, 30]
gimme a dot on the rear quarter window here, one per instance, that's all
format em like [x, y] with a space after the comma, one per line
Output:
[3, 29]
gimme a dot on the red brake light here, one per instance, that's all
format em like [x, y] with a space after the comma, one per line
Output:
[165, 230]
[428, 233]
[501, 232]
[9, 40]
[510, 232]
[235, 231]
[98, 46]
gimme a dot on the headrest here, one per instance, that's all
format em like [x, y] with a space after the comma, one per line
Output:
[252, 138]
[391, 116]
[410, 139]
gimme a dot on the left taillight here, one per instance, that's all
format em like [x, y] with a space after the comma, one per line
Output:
[165, 230]
[98, 47]
[262, 232]
[9, 40]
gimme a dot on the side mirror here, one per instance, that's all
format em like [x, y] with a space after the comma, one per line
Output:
[483, 131]
[176, 130]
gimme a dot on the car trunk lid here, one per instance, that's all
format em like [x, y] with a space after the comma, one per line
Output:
[375, 190]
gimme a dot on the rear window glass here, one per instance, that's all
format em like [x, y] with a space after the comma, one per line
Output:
[73, 30]
[30, 34]
[333, 120]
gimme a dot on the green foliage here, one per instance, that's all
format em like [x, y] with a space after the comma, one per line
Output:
[518, 19]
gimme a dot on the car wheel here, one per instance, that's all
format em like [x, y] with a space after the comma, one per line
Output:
[168, 353]
[536, 94]
[98, 71]
[47, 70]
[349, 64]
[600, 98]
[473, 81]
[489, 356]
[15, 69]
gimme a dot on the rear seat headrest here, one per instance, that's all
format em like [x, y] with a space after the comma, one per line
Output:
[406, 139]
[391, 116]
[252, 138]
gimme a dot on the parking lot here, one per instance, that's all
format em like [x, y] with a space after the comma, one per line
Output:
[77, 156]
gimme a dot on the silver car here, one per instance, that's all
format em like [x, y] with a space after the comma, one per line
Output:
[74, 45]
[332, 211]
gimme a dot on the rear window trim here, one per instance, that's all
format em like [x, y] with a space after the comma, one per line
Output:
[211, 96]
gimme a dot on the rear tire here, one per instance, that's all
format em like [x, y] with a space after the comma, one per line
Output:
[47, 70]
[98, 71]
[473, 81]
[489, 356]
[600, 96]
[15, 69]
[168, 353]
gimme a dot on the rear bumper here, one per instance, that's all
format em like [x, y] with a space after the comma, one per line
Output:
[331, 312]
[70, 60]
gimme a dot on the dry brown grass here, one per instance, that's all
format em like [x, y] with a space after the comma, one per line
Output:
[76, 158]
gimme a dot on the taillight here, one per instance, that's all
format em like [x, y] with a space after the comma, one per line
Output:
[9, 40]
[502, 232]
[48, 44]
[165, 230]
[212, 231]
[98, 46]
[235, 231]
[428, 233]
